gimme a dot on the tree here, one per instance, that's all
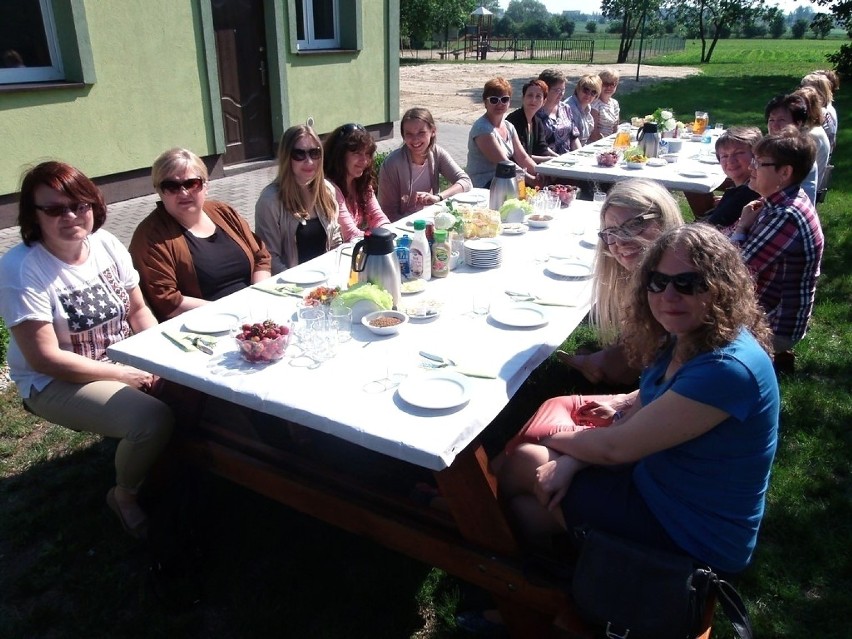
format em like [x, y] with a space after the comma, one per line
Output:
[630, 14]
[591, 26]
[419, 19]
[821, 25]
[522, 11]
[711, 18]
[798, 29]
[776, 21]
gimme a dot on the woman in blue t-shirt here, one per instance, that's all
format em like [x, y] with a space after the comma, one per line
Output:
[685, 468]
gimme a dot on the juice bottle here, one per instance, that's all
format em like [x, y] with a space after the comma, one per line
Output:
[403, 254]
[440, 254]
[419, 255]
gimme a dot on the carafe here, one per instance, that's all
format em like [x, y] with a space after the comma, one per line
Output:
[374, 259]
[648, 139]
[504, 185]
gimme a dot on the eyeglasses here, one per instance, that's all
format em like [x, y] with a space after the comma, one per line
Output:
[503, 99]
[346, 129]
[628, 230]
[684, 283]
[589, 91]
[300, 155]
[559, 91]
[58, 210]
[756, 165]
[173, 187]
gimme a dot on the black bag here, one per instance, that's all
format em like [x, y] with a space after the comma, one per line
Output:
[638, 592]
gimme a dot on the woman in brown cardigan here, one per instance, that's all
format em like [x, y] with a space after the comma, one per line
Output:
[191, 250]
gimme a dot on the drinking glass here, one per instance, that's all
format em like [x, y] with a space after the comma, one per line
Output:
[341, 321]
[599, 197]
[701, 120]
[320, 340]
[480, 303]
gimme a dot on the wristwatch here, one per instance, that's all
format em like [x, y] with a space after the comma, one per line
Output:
[440, 197]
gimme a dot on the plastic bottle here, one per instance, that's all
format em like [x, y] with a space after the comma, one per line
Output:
[403, 254]
[419, 256]
[441, 254]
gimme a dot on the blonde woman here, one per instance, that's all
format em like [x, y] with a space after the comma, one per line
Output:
[605, 109]
[633, 215]
[822, 85]
[587, 90]
[296, 214]
[191, 250]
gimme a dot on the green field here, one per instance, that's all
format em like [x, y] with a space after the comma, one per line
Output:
[67, 571]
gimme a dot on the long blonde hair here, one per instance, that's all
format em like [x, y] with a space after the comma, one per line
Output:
[612, 280]
[291, 193]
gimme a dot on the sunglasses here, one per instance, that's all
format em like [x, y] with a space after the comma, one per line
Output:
[346, 129]
[503, 99]
[58, 210]
[173, 187]
[589, 91]
[684, 283]
[300, 155]
[628, 230]
[610, 84]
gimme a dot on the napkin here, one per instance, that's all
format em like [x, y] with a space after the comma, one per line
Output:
[474, 369]
[274, 287]
[188, 341]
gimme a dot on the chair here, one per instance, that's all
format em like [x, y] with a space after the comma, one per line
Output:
[824, 184]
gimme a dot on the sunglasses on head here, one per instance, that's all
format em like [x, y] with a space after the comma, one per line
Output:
[502, 99]
[300, 155]
[58, 210]
[684, 283]
[174, 187]
[346, 129]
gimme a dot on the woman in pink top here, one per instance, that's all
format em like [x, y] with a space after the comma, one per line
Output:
[348, 164]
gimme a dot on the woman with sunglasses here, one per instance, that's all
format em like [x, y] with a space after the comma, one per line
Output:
[408, 179]
[348, 164]
[296, 214]
[633, 215]
[686, 468]
[492, 139]
[67, 292]
[780, 235]
[587, 90]
[562, 133]
[191, 250]
[606, 112]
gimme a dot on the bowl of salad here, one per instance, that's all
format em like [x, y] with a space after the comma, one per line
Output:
[635, 159]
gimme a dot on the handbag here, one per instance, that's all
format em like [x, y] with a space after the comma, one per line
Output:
[634, 591]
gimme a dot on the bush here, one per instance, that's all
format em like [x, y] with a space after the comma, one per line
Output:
[798, 29]
[842, 60]
[591, 26]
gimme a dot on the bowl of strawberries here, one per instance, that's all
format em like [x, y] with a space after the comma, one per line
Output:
[263, 342]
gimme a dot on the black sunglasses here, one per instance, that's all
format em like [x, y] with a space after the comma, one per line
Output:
[300, 155]
[174, 186]
[503, 99]
[58, 210]
[346, 129]
[684, 283]
[632, 227]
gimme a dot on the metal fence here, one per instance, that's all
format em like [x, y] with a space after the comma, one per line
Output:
[580, 51]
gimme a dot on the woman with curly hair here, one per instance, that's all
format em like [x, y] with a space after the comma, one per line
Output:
[686, 468]
[348, 163]
[635, 213]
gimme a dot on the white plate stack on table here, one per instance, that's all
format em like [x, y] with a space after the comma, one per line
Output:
[483, 253]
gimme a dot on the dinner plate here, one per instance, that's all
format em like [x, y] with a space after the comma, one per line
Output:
[412, 286]
[436, 390]
[211, 324]
[468, 198]
[422, 309]
[304, 276]
[693, 173]
[521, 315]
[566, 268]
[657, 162]
[514, 229]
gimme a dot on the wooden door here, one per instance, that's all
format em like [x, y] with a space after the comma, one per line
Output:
[243, 79]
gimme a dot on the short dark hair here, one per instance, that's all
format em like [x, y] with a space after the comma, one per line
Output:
[790, 147]
[541, 84]
[61, 177]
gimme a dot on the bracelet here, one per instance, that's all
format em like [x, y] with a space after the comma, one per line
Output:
[618, 415]
[440, 197]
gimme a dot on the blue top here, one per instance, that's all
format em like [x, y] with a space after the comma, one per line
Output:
[709, 492]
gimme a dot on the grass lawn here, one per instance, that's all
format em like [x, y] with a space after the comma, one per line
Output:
[66, 569]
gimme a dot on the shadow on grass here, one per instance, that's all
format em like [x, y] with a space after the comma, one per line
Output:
[265, 570]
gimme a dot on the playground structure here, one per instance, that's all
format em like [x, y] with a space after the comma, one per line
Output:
[477, 37]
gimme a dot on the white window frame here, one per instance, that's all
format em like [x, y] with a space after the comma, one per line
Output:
[310, 42]
[40, 74]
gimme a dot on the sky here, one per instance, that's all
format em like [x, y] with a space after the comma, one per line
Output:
[592, 6]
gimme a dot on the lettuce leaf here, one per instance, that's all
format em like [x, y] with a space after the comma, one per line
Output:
[365, 291]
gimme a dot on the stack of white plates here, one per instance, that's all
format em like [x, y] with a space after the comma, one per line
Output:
[483, 253]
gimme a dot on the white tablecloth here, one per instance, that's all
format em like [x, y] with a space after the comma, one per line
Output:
[332, 397]
[696, 170]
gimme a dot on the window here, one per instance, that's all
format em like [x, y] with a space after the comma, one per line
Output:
[318, 24]
[29, 49]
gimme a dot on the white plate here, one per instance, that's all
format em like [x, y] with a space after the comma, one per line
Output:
[412, 286]
[436, 389]
[657, 162]
[566, 268]
[708, 159]
[693, 173]
[522, 315]
[468, 198]
[304, 276]
[514, 229]
[482, 245]
[211, 324]
[422, 310]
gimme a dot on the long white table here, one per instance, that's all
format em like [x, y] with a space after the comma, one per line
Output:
[474, 541]
[695, 170]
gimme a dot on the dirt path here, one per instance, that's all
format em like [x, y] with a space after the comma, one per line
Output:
[453, 92]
